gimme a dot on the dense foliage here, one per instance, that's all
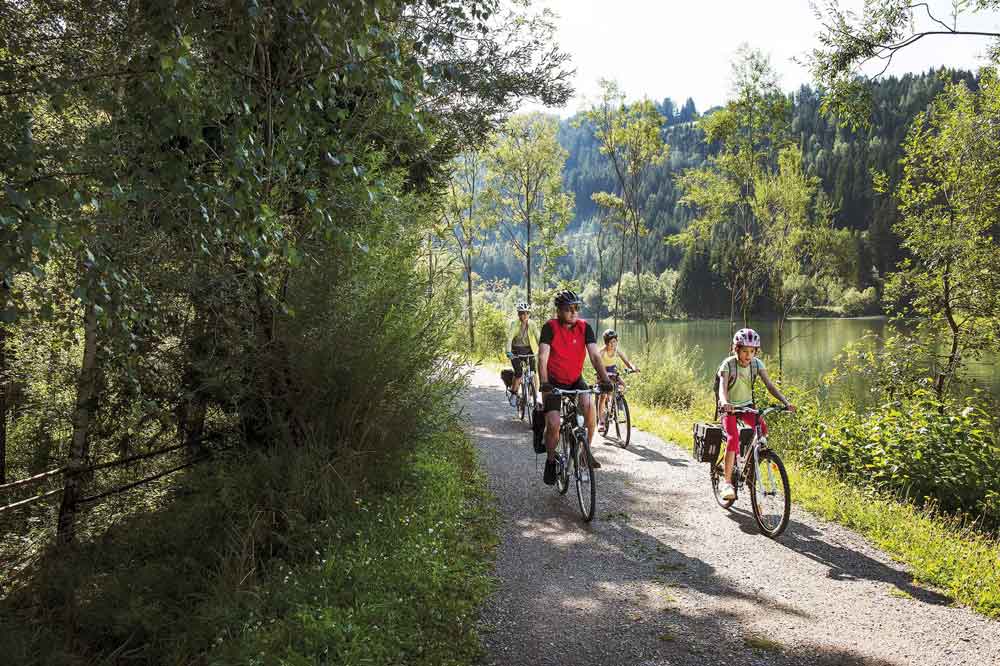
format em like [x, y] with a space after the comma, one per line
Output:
[211, 220]
[840, 158]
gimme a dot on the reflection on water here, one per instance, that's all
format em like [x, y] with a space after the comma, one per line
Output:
[811, 345]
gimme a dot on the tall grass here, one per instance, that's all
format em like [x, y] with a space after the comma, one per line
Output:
[670, 378]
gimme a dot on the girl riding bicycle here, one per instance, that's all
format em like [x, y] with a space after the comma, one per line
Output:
[736, 380]
[610, 354]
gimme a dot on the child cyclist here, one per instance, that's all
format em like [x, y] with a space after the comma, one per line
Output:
[736, 378]
[610, 354]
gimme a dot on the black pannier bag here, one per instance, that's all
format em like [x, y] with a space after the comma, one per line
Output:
[707, 441]
[508, 377]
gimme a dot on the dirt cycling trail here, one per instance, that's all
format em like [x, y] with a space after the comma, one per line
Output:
[663, 576]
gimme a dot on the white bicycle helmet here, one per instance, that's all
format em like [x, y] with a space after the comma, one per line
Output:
[746, 337]
[522, 307]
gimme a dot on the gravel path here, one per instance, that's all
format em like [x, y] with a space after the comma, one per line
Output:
[663, 576]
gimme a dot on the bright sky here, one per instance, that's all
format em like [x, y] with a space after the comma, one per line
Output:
[683, 48]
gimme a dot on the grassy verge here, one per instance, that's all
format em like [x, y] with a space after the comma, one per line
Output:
[398, 581]
[276, 561]
[940, 551]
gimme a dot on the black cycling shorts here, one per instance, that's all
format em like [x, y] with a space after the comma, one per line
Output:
[518, 363]
[551, 403]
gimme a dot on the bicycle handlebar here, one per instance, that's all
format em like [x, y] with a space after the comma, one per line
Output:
[523, 356]
[567, 392]
[770, 409]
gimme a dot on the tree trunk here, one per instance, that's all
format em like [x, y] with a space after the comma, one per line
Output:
[527, 258]
[79, 451]
[600, 282]
[468, 285]
[942, 379]
[732, 307]
[4, 391]
[621, 271]
[430, 265]
[638, 277]
[781, 344]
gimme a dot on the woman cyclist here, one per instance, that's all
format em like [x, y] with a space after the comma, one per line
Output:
[610, 353]
[736, 378]
[522, 340]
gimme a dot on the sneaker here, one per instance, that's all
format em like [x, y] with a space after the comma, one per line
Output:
[549, 477]
[726, 491]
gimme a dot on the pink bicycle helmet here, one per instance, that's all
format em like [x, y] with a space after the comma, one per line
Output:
[746, 337]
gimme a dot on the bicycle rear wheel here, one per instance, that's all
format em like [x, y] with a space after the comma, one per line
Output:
[586, 484]
[564, 453]
[717, 472]
[770, 494]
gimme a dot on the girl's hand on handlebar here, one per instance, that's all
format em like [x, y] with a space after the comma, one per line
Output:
[726, 407]
[790, 407]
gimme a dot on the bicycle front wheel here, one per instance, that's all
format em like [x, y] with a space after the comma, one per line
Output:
[586, 484]
[770, 495]
[522, 401]
[717, 472]
[623, 421]
[562, 469]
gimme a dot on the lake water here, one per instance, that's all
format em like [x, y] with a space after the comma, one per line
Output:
[811, 345]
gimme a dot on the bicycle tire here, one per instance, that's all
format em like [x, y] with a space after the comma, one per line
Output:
[533, 404]
[611, 416]
[768, 528]
[522, 400]
[562, 475]
[717, 472]
[586, 482]
[624, 441]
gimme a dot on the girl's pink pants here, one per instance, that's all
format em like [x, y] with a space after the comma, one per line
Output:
[733, 431]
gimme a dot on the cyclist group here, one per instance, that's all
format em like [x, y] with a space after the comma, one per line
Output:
[566, 341]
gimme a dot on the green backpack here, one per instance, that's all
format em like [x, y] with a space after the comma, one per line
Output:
[731, 366]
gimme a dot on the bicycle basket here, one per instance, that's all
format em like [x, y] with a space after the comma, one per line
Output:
[507, 376]
[707, 441]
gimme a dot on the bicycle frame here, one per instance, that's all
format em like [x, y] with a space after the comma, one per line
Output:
[756, 445]
[619, 387]
[570, 407]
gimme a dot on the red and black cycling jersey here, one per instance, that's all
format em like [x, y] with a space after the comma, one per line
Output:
[569, 349]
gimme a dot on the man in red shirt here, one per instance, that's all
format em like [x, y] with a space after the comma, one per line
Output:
[563, 345]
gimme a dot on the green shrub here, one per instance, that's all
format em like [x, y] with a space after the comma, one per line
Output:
[939, 452]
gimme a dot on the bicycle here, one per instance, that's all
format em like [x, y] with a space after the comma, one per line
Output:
[527, 397]
[574, 450]
[766, 479]
[616, 411]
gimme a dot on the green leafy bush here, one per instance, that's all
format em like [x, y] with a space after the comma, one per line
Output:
[933, 451]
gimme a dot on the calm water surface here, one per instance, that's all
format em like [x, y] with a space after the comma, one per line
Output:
[811, 347]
